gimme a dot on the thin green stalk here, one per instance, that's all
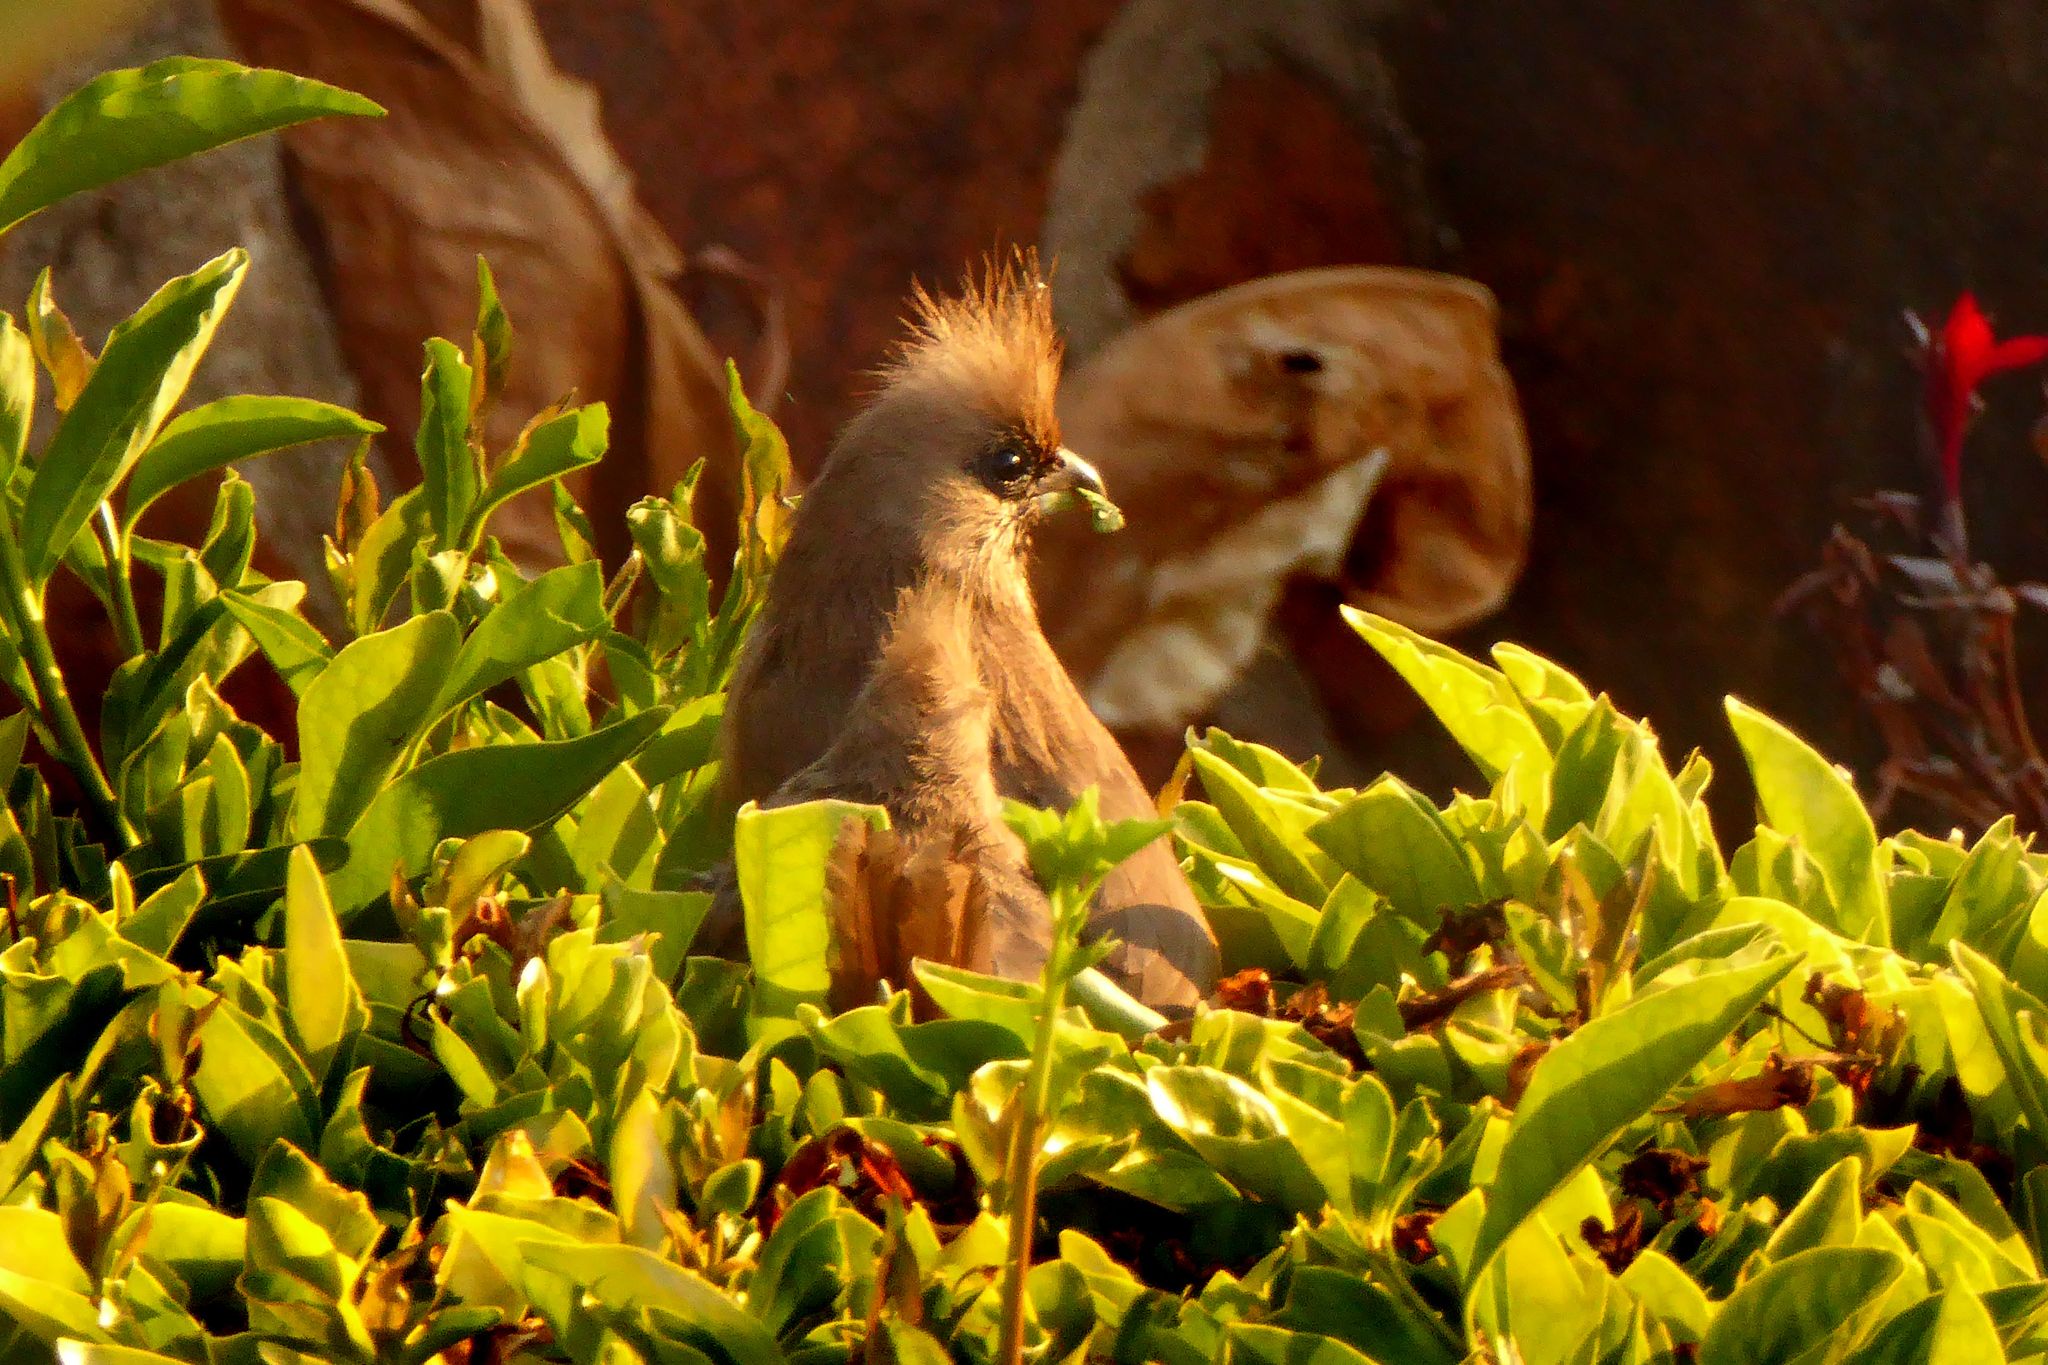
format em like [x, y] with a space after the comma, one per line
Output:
[127, 620]
[25, 615]
[1020, 1172]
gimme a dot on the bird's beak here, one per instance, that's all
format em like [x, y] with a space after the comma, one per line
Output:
[1073, 475]
[1073, 479]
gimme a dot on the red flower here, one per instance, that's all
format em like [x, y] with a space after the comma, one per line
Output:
[1959, 358]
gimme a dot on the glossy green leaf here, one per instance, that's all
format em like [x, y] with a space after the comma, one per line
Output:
[357, 717]
[780, 856]
[17, 396]
[325, 1009]
[561, 445]
[464, 793]
[1806, 797]
[294, 648]
[535, 620]
[1394, 842]
[1797, 1305]
[148, 360]
[1949, 1328]
[1606, 1075]
[226, 431]
[1252, 1344]
[1475, 703]
[127, 121]
[449, 479]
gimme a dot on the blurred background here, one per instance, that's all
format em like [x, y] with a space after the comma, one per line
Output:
[1702, 229]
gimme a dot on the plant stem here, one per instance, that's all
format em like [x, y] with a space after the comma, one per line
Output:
[25, 615]
[127, 621]
[1021, 1168]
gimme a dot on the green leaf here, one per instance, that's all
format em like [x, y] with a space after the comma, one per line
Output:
[384, 557]
[127, 121]
[2001, 1006]
[296, 650]
[464, 793]
[357, 718]
[1605, 1076]
[19, 1149]
[780, 856]
[1475, 703]
[622, 1278]
[493, 333]
[535, 621]
[1272, 828]
[1806, 797]
[71, 1351]
[561, 445]
[1830, 1214]
[1797, 1305]
[148, 360]
[17, 396]
[322, 1005]
[448, 465]
[250, 1083]
[218, 434]
[1253, 1344]
[1238, 1131]
[764, 460]
[1949, 1328]
[1393, 841]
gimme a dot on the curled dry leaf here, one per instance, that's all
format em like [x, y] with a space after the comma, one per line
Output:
[490, 150]
[1781, 1084]
[1243, 435]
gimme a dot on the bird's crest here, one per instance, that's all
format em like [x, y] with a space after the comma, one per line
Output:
[993, 342]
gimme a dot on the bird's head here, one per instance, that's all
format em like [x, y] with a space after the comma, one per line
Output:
[958, 451]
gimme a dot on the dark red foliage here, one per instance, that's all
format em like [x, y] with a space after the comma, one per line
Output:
[1412, 1239]
[1618, 1246]
[1663, 1176]
[862, 1170]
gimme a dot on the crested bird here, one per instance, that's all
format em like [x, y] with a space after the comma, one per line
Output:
[909, 548]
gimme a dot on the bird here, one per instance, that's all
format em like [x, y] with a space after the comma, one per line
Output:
[949, 880]
[918, 524]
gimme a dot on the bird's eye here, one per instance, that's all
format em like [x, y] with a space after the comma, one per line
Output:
[1005, 469]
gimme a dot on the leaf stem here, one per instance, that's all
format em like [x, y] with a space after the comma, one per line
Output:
[24, 610]
[127, 621]
[1027, 1126]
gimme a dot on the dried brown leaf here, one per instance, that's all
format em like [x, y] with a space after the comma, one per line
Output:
[490, 149]
[1779, 1085]
[1430, 1008]
[1242, 434]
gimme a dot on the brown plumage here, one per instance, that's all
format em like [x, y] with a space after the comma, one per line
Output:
[909, 549]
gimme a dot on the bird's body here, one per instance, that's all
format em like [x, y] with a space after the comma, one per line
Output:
[918, 523]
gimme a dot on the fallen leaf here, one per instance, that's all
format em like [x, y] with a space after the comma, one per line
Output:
[1352, 424]
[489, 149]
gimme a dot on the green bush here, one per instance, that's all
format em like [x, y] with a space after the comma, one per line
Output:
[381, 1041]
